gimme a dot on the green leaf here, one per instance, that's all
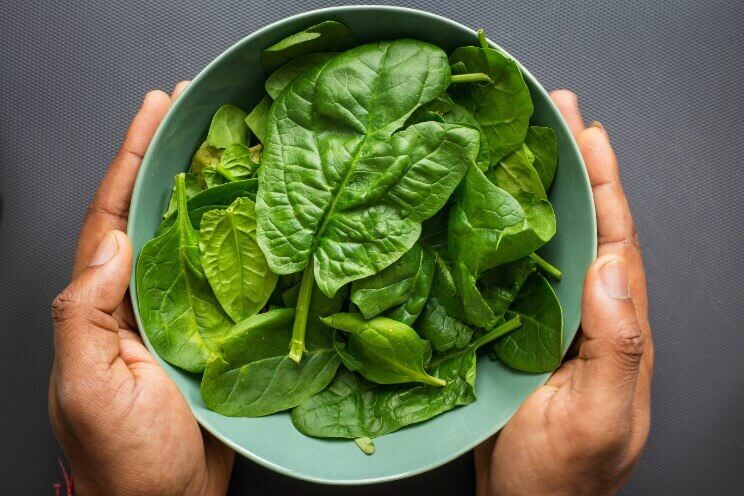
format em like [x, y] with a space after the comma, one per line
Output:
[537, 345]
[383, 350]
[353, 407]
[228, 127]
[293, 69]
[400, 290]
[501, 285]
[338, 185]
[233, 263]
[192, 188]
[502, 108]
[206, 157]
[257, 119]
[255, 377]
[543, 144]
[328, 36]
[181, 316]
[217, 197]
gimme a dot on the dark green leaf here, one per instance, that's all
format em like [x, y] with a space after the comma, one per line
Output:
[328, 36]
[543, 144]
[290, 71]
[537, 345]
[383, 350]
[180, 314]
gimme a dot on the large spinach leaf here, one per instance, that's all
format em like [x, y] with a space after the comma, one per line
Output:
[383, 350]
[536, 345]
[255, 377]
[180, 315]
[234, 264]
[400, 290]
[327, 36]
[352, 407]
[342, 194]
[503, 107]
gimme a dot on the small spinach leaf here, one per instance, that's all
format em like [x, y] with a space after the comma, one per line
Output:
[543, 144]
[181, 316]
[257, 119]
[228, 127]
[327, 36]
[206, 157]
[537, 345]
[234, 264]
[383, 350]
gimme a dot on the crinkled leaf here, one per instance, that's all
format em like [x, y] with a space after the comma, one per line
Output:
[181, 316]
[327, 36]
[338, 184]
[234, 264]
[502, 108]
[290, 71]
[254, 376]
[383, 350]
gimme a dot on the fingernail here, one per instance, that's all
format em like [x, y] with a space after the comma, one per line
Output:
[598, 125]
[614, 277]
[106, 250]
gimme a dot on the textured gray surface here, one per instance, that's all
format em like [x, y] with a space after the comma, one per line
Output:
[663, 76]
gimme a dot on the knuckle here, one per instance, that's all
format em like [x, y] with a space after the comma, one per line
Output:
[64, 306]
[629, 342]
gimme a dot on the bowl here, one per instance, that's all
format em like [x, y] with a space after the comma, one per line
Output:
[237, 77]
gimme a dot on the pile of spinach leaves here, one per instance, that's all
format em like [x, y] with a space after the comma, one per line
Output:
[346, 247]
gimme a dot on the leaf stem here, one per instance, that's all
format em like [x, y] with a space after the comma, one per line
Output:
[297, 345]
[491, 335]
[482, 39]
[546, 267]
[225, 173]
[365, 444]
[472, 77]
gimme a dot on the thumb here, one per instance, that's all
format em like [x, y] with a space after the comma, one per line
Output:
[610, 355]
[85, 332]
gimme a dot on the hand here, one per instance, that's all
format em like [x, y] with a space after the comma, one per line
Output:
[124, 425]
[583, 431]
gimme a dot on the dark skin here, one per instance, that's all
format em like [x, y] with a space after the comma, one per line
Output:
[127, 430]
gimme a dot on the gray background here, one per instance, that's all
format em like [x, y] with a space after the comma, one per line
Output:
[664, 77]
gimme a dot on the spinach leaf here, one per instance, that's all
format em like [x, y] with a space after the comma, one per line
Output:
[503, 107]
[342, 195]
[543, 144]
[293, 69]
[255, 377]
[353, 407]
[228, 127]
[206, 157]
[400, 290]
[192, 188]
[537, 345]
[383, 350]
[237, 162]
[180, 314]
[217, 197]
[501, 285]
[234, 264]
[257, 119]
[327, 36]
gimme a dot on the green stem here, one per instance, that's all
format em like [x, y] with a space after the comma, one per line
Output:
[365, 444]
[491, 335]
[297, 345]
[182, 209]
[472, 77]
[546, 267]
[225, 173]
[482, 39]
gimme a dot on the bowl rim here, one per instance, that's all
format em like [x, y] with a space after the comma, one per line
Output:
[535, 84]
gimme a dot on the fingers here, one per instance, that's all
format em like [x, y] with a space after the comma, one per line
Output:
[110, 206]
[482, 457]
[568, 105]
[85, 333]
[178, 89]
[607, 367]
[219, 463]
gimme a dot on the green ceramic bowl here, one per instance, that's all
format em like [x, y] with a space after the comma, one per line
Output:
[236, 77]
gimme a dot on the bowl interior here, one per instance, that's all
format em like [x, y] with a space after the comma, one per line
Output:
[237, 77]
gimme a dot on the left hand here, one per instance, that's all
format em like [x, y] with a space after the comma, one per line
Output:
[123, 424]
